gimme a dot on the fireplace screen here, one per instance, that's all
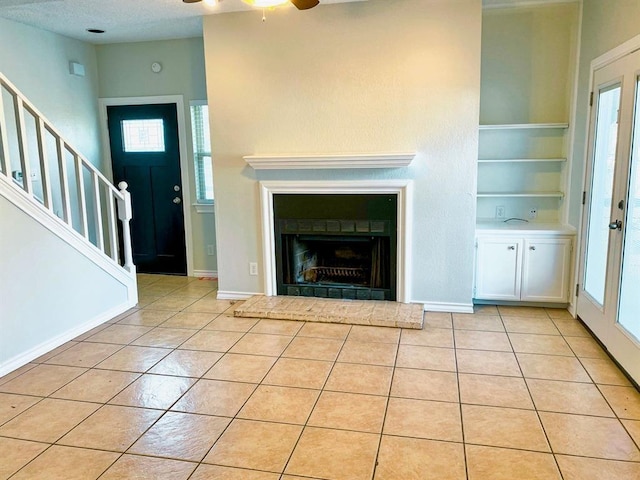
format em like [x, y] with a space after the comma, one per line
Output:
[335, 257]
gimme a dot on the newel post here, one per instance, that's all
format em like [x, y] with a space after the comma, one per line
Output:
[124, 214]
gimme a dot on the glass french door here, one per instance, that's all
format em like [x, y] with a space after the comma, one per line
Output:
[609, 294]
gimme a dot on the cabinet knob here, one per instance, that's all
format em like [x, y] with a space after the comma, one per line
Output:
[532, 247]
[511, 247]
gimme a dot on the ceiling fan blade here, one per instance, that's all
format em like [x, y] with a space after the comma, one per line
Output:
[304, 4]
[191, 1]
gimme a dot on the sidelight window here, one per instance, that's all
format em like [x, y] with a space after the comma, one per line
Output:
[202, 151]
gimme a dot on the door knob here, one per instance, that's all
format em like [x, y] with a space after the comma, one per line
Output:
[177, 200]
[617, 225]
[511, 247]
[532, 247]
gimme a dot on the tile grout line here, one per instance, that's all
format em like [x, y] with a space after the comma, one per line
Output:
[306, 423]
[386, 408]
[464, 440]
[106, 403]
[168, 410]
[165, 411]
[254, 390]
[544, 430]
[597, 385]
[55, 442]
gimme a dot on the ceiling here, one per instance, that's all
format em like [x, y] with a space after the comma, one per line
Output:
[122, 20]
[143, 20]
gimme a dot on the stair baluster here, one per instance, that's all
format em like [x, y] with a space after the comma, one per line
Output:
[69, 166]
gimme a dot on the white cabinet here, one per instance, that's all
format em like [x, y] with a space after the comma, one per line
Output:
[498, 268]
[545, 270]
[521, 266]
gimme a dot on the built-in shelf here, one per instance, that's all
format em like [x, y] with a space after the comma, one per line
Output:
[524, 126]
[520, 160]
[282, 162]
[521, 194]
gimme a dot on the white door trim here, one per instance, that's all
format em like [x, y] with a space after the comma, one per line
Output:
[614, 54]
[402, 188]
[178, 100]
[621, 345]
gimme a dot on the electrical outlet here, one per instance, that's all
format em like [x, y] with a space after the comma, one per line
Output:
[500, 211]
[533, 212]
[210, 250]
[253, 268]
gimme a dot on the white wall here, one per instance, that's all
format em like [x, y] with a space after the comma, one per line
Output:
[125, 71]
[605, 25]
[528, 54]
[49, 290]
[528, 76]
[369, 77]
[37, 63]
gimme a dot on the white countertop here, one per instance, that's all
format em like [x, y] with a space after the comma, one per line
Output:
[514, 226]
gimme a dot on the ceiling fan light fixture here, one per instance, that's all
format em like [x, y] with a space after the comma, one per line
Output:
[265, 3]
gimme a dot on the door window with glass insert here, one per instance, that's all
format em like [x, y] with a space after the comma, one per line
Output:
[629, 308]
[604, 162]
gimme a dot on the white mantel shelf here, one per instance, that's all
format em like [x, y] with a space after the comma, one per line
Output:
[291, 162]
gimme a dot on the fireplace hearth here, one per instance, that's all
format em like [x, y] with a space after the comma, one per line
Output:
[336, 246]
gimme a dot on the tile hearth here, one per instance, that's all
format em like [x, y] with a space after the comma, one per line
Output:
[180, 389]
[324, 310]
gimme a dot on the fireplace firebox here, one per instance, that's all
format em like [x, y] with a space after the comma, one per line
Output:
[336, 246]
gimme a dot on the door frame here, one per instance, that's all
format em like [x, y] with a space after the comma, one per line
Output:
[178, 100]
[603, 60]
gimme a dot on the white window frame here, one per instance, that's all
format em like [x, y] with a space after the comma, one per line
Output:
[202, 205]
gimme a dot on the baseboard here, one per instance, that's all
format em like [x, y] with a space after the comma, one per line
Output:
[205, 273]
[228, 295]
[520, 304]
[39, 350]
[447, 307]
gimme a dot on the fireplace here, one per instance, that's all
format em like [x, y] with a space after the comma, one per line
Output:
[336, 245]
[401, 189]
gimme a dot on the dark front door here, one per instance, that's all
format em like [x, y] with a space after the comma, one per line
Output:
[145, 154]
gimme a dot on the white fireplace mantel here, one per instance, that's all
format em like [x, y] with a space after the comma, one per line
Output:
[283, 162]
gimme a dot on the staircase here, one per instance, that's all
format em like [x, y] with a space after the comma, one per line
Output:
[66, 262]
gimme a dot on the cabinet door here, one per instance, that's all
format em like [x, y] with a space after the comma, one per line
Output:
[545, 275]
[498, 268]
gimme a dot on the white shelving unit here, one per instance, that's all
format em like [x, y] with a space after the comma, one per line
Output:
[523, 158]
[522, 168]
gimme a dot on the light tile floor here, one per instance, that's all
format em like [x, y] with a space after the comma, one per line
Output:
[180, 389]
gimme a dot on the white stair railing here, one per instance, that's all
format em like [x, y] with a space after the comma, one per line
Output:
[37, 161]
